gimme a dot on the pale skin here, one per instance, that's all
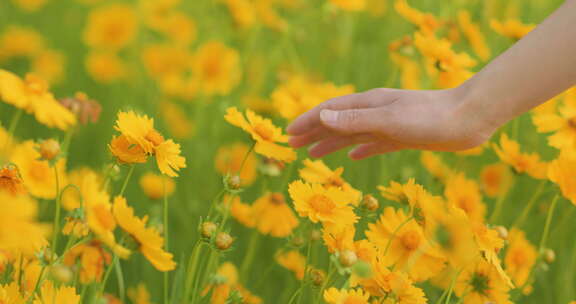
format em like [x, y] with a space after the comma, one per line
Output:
[537, 68]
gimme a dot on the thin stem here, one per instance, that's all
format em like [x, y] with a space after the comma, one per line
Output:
[120, 277]
[249, 257]
[192, 266]
[166, 275]
[130, 171]
[520, 220]
[246, 158]
[11, 128]
[107, 274]
[58, 211]
[305, 278]
[547, 226]
[499, 204]
[331, 272]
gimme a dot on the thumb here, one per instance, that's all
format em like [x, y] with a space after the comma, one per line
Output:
[353, 120]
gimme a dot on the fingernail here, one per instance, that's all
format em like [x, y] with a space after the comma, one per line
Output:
[328, 116]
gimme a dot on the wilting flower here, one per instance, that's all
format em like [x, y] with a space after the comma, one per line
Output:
[273, 216]
[86, 110]
[156, 186]
[31, 94]
[293, 261]
[322, 205]
[139, 139]
[148, 239]
[92, 259]
[10, 180]
[529, 163]
[216, 68]
[264, 133]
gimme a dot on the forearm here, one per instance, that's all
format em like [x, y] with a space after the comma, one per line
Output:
[537, 68]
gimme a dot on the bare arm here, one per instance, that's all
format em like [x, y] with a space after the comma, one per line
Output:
[538, 67]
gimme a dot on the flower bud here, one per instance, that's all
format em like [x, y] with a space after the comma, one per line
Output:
[502, 232]
[317, 277]
[362, 269]
[49, 149]
[549, 256]
[369, 203]
[223, 241]
[316, 235]
[61, 273]
[297, 241]
[208, 229]
[234, 182]
[347, 258]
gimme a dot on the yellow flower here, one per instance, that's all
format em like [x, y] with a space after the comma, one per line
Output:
[529, 163]
[154, 186]
[264, 133]
[18, 218]
[49, 65]
[318, 172]
[343, 296]
[299, 94]
[465, 194]
[139, 138]
[216, 68]
[149, 240]
[90, 188]
[101, 221]
[480, 283]
[350, 5]
[561, 172]
[10, 293]
[520, 257]
[474, 35]
[496, 179]
[105, 67]
[165, 59]
[322, 205]
[10, 180]
[29, 5]
[178, 27]
[405, 245]
[293, 261]
[19, 41]
[177, 121]
[338, 238]
[241, 212]
[511, 28]
[563, 124]
[229, 159]
[273, 216]
[111, 27]
[410, 70]
[139, 294]
[38, 175]
[49, 294]
[92, 259]
[242, 11]
[426, 22]
[31, 94]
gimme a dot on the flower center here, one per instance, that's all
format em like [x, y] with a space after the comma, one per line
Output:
[212, 68]
[480, 283]
[154, 137]
[321, 204]
[519, 257]
[263, 131]
[410, 240]
[572, 122]
[277, 199]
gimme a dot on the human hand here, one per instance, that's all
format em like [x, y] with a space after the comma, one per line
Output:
[386, 120]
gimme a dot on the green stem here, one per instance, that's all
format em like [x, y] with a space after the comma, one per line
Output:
[246, 158]
[120, 277]
[11, 128]
[128, 176]
[166, 275]
[331, 272]
[499, 204]
[192, 267]
[58, 211]
[520, 220]
[547, 225]
[107, 275]
[305, 278]
[249, 257]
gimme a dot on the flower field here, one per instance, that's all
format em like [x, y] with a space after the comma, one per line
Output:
[144, 157]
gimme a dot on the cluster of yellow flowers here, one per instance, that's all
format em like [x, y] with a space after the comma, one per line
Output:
[280, 228]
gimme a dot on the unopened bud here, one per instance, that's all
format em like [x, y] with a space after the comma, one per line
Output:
[502, 232]
[549, 256]
[316, 234]
[223, 241]
[362, 269]
[369, 203]
[49, 149]
[297, 241]
[208, 229]
[234, 182]
[317, 277]
[347, 258]
[61, 273]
